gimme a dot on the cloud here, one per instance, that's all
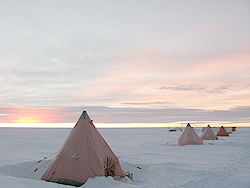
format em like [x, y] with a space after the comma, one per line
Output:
[206, 89]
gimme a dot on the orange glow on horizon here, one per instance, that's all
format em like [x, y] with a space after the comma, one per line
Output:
[31, 115]
[27, 120]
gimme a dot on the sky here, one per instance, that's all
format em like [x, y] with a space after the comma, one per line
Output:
[135, 61]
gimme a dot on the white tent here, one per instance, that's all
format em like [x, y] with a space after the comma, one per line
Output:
[189, 137]
[84, 154]
[208, 134]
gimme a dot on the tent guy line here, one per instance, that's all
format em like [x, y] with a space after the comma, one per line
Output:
[40, 161]
[40, 166]
[139, 168]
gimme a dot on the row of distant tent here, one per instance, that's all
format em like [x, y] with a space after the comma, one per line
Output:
[190, 137]
[85, 154]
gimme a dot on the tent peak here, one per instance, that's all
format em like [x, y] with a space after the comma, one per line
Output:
[84, 115]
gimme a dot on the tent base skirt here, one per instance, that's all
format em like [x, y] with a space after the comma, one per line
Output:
[65, 182]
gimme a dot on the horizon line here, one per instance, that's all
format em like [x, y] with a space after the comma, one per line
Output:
[123, 125]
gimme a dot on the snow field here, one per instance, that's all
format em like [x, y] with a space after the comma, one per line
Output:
[220, 163]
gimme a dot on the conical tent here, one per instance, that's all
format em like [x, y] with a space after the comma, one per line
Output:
[208, 134]
[189, 137]
[222, 132]
[84, 154]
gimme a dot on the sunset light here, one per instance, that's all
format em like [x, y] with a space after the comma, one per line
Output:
[27, 120]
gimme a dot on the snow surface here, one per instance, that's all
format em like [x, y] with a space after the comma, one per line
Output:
[220, 163]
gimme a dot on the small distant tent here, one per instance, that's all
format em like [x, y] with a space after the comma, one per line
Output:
[208, 134]
[222, 132]
[83, 155]
[175, 129]
[189, 137]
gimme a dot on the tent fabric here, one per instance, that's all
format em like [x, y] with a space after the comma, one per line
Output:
[222, 132]
[208, 134]
[189, 137]
[84, 154]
